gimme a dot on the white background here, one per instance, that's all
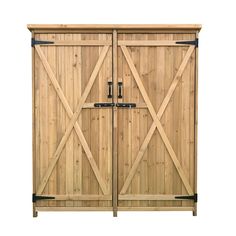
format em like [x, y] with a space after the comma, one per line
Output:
[217, 98]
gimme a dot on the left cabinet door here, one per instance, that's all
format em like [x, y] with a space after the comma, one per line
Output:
[72, 136]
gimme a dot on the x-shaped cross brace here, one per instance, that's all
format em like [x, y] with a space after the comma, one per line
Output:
[73, 120]
[156, 120]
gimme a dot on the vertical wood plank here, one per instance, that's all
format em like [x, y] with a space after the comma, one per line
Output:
[102, 125]
[160, 148]
[114, 124]
[118, 121]
[37, 68]
[61, 121]
[108, 67]
[127, 84]
[52, 120]
[151, 90]
[34, 117]
[178, 57]
[168, 121]
[43, 122]
[85, 121]
[105, 122]
[185, 115]
[94, 122]
[143, 125]
[195, 124]
[69, 95]
[191, 122]
[77, 94]
[135, 122]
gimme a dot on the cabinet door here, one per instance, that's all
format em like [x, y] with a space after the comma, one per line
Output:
[156, 76]
[73, 134]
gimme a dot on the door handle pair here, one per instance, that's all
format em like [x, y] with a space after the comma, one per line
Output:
[110, 89]
[119, 95]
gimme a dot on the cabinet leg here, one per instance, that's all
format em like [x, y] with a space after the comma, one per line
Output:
[114, 213]
[35, 213]
[195, 210]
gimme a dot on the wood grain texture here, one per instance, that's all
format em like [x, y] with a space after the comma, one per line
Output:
[114, 159]
[167, 180]
[62, 80]
[114, 26]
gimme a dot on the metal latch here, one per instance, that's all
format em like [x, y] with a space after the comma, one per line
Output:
[126, 105]
[104, 104]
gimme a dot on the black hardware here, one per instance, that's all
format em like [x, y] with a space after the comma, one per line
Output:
[126, 105]
[34, 42]
[104, 104]
[37, 198]
[188, 197]
[109, 89]
[120, 89]
[193, 42]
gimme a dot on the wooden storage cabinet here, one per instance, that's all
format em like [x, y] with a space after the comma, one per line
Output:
[114, 117]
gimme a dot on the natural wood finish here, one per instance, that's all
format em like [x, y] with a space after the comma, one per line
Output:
[110, 208]
[150, 43]
[114, 124]
[78, 43]
[157, 122]
[77, 90]
[159, 115]
[73, 118]
[74, 208]
[155, 208]
[114, 26]
[76, 197]
[91, 105]
[195, 126]
[33, 130]
[150, 197]
[110, 158]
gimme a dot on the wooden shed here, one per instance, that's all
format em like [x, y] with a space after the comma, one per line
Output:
[114, 117]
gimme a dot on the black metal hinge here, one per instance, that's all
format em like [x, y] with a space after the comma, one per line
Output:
[37, 198]
[34, 42]
[191, 42]
[188, 197]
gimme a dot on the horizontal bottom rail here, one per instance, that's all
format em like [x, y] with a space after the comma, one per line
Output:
[73, 208]
[111, 209]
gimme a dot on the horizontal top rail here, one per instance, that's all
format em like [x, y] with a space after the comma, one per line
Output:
[196, 27]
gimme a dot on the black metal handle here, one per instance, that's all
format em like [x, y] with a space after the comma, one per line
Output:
[104, 104]
[126, 105]
[109, 89]
[120, 89]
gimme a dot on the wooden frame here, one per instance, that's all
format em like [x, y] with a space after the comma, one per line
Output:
[73, 114]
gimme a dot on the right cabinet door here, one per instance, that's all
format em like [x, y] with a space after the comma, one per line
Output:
[156, 77]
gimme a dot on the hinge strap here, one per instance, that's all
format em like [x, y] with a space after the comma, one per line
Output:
[34, 42]
[188, 197]
[37, 198]
[191, 42]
